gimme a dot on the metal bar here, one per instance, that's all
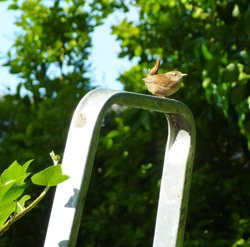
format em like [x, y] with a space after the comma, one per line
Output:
[79, 155]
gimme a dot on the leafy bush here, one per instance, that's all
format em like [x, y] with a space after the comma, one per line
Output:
[13, 199]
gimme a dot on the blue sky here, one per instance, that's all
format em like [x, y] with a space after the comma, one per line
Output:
[6, 38]
[106, 66]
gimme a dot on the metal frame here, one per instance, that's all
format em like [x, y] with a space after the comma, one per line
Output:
[80, 152]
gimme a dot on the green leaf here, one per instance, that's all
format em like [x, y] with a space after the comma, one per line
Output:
[3, 189]
[13, 6]
[236, 11]
[12, 193]
[15, 172]
[50, 176]
[5, 211]
[205, 52]
[21, 203]
[12, 181]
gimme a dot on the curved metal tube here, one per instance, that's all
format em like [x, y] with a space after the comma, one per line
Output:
[79, 156]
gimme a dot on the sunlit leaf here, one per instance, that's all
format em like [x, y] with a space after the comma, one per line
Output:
[205, 52]
[13, 192]
[15, 172]
[5, 211]
[51, 176]
[21, 203]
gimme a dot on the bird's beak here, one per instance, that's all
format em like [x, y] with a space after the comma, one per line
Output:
[183, 74]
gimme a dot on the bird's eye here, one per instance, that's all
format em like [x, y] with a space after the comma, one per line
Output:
[175, 74]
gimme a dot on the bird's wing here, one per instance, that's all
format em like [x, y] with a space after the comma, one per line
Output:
[156, 79]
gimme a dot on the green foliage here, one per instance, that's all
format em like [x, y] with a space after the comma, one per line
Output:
[208, 40]
[49, 56]
[125, 184]
[12, 188]
[49, 176]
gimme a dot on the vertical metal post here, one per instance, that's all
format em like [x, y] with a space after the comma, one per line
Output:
[79, 156]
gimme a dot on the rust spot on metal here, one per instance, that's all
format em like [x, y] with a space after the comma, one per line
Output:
[81, 120]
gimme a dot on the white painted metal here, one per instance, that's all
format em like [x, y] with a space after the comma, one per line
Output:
[79, 156]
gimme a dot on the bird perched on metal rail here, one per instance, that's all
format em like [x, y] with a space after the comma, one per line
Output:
[163, 84]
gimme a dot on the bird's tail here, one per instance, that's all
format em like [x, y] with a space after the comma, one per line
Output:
[154, 70]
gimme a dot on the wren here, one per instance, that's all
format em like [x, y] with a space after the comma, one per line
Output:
[163, 85]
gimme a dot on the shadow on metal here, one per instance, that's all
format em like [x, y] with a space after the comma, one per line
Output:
[80, 152]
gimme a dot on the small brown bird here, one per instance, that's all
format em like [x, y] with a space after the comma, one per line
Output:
[163, 84]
